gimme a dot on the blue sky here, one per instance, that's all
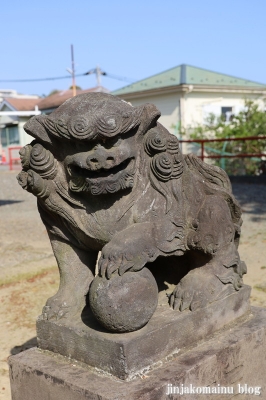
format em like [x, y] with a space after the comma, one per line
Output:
[132, 39]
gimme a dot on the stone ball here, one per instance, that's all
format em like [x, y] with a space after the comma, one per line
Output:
[124, 303]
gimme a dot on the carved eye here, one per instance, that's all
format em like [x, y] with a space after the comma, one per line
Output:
[109, 125]
[80, 127]
[60, 124]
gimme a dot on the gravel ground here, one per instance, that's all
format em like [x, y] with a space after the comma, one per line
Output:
[252, 247]
[28, 273]
[24, 245]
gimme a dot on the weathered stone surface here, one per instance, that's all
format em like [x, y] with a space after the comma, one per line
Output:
[108, 177]
[119, 312]
[125, 355]
[231, 357]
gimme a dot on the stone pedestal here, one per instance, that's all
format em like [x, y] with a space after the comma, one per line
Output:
[128, 354]
[232, 359]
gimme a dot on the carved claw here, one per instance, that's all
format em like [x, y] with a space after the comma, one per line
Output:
[125, 262]
[195, 290]
[133, 265]
[180, 299]
[103, 263]
[126, 265]
[108, 265]
[111, 268]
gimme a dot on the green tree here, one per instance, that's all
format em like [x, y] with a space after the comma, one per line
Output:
[54, 91]
[77, 87]
[251, 121]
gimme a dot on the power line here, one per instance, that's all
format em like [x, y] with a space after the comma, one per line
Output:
[98, 71]
[37, 79]
[130, 80]
[92, 71]
[119, 78]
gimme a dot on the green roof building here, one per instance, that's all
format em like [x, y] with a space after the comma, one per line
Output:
[186, 94]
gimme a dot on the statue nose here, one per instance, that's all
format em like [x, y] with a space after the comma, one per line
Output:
[100, 160]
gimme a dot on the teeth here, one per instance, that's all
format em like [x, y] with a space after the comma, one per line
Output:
[100, 173]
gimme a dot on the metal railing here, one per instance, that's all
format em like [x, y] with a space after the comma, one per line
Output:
[224, 154]
[203, 149]
[12, 160]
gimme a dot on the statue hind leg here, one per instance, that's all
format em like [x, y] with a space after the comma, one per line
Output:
[214, 234]
[220, 277]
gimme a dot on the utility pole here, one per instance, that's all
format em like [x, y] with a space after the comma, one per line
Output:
[73, 72]
[98, 72]
[98, 75]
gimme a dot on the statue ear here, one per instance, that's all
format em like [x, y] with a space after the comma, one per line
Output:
[149, 114]
[35, 127]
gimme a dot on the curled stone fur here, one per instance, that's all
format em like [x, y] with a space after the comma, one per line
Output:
[43, 162]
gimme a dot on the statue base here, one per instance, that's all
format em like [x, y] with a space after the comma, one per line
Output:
[126, 355]
[231, 362]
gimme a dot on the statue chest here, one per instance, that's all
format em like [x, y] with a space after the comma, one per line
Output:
[98, 228]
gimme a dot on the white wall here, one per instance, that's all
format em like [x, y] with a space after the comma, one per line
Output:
[23, 136]
[168, 105]
[199, 105]
[195, 106]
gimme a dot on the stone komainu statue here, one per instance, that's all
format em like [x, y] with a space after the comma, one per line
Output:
[108, 177]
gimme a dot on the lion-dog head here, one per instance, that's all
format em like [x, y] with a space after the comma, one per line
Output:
[104, 144]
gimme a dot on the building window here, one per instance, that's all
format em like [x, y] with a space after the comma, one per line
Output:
[227, 113]
[9, 136]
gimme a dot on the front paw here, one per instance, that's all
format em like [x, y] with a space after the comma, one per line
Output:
[129, 250]
[195, 290]
[110, 263]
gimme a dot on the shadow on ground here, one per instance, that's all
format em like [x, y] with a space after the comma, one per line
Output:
[6, 202]
[25, 346]
[252, 199]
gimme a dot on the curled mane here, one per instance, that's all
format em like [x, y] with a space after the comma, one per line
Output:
[164, 162]
[216, 182]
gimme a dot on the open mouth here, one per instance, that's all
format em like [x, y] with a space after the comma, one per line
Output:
[114, 172]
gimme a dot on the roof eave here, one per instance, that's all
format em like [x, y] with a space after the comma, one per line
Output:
[7, 104]
[229, 89]
[147, 92]
[193, 88]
